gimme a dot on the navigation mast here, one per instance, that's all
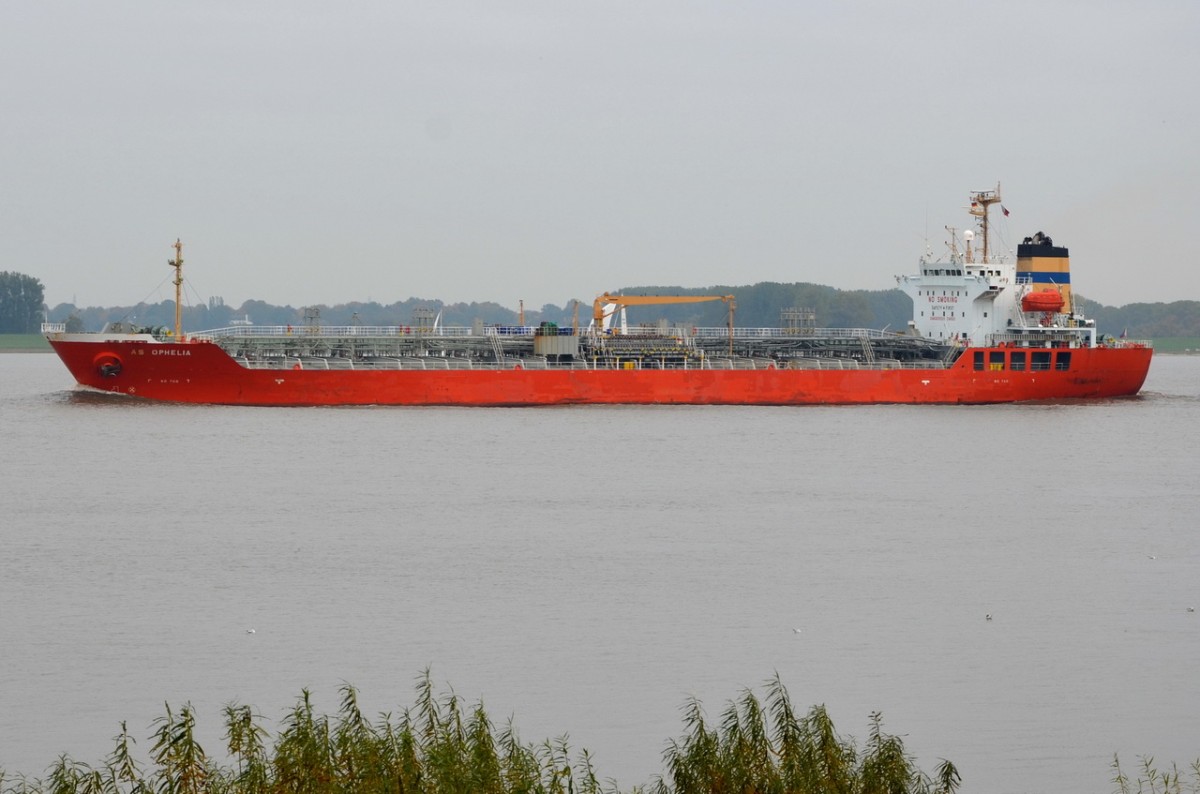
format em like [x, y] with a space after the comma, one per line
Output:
[981, 200]
[177, 263]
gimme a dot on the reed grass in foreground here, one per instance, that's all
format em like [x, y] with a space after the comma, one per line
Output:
[1151, 780]
[442, 744]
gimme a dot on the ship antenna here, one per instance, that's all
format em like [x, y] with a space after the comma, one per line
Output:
[177, 263]
[953, 243]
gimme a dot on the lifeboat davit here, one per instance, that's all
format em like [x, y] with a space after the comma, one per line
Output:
[1047, 300]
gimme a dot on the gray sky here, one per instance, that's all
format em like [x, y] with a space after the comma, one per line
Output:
[322, 152]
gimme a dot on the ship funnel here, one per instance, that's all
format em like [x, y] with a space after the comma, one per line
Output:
[1046, 266]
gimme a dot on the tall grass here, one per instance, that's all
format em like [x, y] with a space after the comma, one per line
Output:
[1152, 780]
[442, 745]
[771, 749]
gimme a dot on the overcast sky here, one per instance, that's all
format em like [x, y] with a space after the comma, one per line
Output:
[324, 152]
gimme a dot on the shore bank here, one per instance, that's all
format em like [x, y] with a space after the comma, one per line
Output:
[24, 343]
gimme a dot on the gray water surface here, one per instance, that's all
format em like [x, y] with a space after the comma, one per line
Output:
[587, 569]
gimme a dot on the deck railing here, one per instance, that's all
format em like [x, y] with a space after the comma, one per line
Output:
[333, 331]
[451, 363]
[720, 332]
[343, 331]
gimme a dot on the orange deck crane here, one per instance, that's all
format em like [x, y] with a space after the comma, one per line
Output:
[619, 302]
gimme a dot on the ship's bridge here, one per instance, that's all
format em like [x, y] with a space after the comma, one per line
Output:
[960, 300]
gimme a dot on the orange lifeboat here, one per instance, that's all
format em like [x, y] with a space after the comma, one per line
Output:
[1047, 300]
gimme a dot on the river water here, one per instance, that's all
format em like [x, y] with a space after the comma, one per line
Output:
[587, 569]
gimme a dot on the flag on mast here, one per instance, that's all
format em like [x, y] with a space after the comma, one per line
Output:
[1004, 209]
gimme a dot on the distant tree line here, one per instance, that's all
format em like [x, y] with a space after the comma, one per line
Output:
[1145, 320]
[21, 303]
[216, 314]
[758, 305]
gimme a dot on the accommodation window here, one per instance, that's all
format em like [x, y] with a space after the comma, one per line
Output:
[1018, 360]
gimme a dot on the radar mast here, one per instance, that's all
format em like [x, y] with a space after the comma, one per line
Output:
[981, 201]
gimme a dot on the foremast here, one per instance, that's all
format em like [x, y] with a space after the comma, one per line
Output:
[177, 263]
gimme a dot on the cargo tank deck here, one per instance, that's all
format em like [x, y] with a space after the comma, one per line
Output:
[551, 347]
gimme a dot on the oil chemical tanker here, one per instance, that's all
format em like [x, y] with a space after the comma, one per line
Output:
[985, 329]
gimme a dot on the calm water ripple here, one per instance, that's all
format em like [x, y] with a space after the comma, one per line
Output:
[586, 569]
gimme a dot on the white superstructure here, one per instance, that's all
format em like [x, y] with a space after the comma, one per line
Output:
[976, 298]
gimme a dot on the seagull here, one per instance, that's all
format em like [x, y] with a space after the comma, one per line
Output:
[1151, 557]
[796, 631]
[988, 616]
[249, 631]
[1191, 609]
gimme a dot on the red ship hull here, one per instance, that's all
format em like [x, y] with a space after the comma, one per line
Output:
[201, 372]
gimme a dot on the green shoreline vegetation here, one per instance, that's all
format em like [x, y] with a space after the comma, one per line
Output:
[444, 744]
[24, 343]
[1177, 344]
